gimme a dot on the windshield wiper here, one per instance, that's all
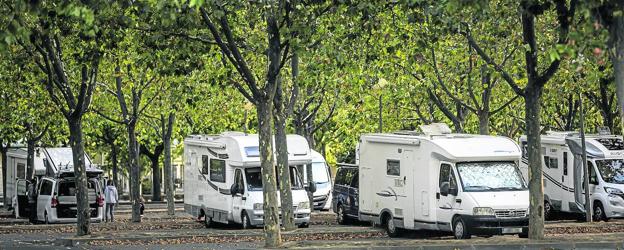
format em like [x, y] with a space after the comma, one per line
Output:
[507, 188]
[479, 187]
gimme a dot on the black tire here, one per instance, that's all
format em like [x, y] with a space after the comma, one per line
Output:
[341, 216]
[599, 212]
[391, 228]
[460, 231]
[45, 218]
[524, 235]
[207, 221]
[245, 222]
[548, 212]
[304, 225]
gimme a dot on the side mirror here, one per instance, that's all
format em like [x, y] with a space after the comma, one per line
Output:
[444, 188]
[311, 187]
[234, 189]
[453, 191]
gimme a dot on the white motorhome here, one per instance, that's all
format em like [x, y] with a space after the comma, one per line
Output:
[435, 180]
[55, 182]
[321, 175]
[217, 164]
[562, 169]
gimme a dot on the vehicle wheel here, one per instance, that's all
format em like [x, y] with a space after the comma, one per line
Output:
[245, 222]
[304, 225]
[207, 221]
[460, 231]
[391, 228]
[599, 213]
[547, 210]
[341, 216]
[523, 235]
[45, 218]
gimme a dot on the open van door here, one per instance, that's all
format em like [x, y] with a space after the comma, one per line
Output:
[21, 198]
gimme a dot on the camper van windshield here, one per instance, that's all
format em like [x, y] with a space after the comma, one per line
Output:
[319, 172]
[612, 171]
[254, 179]
[490, 176]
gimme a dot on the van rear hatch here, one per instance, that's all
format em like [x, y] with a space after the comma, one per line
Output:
[66, 190]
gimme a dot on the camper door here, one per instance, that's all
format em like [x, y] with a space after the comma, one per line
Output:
[238, 195]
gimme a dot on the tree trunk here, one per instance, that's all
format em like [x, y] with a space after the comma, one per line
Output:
[115, 168]
[536, 191]
[271, 215]
[169, 188]
[484, 122]
[617, 56]
[135, 175]
[281, 145]
[82, 198]
[156, 179]
[3, 151]
[30, 159]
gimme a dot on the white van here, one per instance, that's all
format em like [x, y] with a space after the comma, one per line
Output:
[467, 184]
[563, 173]
[222, 178]
[321, 175]
[56, 187]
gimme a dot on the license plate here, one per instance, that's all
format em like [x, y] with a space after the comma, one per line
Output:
[512, 230]
[315, 203]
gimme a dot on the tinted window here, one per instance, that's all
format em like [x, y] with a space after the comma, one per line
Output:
[46, 188]
[204, 164]
[355, 182]
[217, 170]
[565, 163]
[393, 167]
[551, 162]
[238, 178]
[21, 171]
[445, 171]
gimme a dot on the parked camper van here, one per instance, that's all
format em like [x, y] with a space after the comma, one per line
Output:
[563, 173]
[222, 178]
[321, 175]
[56, 187]
[467, 184]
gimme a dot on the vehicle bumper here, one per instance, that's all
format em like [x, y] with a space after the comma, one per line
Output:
[257, 217]
[490, 225]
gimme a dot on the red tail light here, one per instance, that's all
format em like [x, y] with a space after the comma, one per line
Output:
[54, 202]
[100, 201]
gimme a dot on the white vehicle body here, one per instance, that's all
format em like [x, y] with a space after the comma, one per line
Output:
[433, 180]
[216, 164]
[562, 171]
[321, 175]
[54, 174]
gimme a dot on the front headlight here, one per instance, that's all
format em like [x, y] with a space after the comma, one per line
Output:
[482, 211]
[258, 206]
[304, 205]
[613, 191]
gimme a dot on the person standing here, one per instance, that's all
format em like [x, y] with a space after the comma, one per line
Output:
[32, 200]
[111, 199]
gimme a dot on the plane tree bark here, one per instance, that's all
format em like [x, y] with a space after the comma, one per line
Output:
[32, 138]
[46, 49]
[167, 124]
[154, 158]
[261, 96]
[532, 92]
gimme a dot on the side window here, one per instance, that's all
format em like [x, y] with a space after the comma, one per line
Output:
[355, 181]
[240, 183]
[593, 179]
[565, 163]
[551, 162]
[204, 164]
[525, 150]
[393, 167]
[20, 171]
[217, 170]
[453, 180]
[46, 188]
[445, 173]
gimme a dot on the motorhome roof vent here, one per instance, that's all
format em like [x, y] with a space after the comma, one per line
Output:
[604, 130]
[562, 133]
[435, 129]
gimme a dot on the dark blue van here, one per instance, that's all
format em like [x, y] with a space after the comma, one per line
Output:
[345, 193]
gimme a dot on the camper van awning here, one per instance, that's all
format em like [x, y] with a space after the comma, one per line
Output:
[393, 140]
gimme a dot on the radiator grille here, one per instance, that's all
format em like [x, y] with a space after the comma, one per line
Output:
[510, 213]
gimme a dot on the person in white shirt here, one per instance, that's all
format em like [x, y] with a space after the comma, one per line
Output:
[111, 199]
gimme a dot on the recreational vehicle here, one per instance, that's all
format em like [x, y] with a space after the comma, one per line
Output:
[55, 185]
[435, 180]
[223, 181]
[562, 169]
[321, 175]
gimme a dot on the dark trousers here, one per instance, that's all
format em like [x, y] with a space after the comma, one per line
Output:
[33, 212]
[110, 208]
